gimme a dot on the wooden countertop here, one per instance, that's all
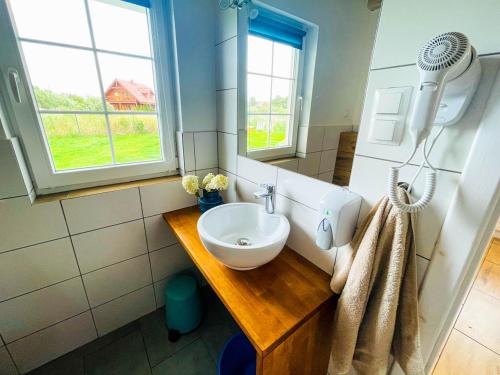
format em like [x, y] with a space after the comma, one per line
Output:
[269, 303]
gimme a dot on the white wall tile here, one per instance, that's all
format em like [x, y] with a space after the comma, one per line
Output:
[303, 189]
[158, 233]
[303, 222]
[50, 343]
[227, 111]
[430, 220]
[310, 165]
[12, 180]
[225, 24]
[185, 145]
[393, 48]
[331, 139]
[22, 224]
[328, 159]
[7, 366]
[195, 68]
[229, 195]
[165, 197]
[315, 138]
[326, 177]
[244, 191]
[35, 267]
[288, 164]
[37, 310]
[100, 210]
[160, 292]
[226, 64]
[123, 310]
[168, 261]
[256, 171]
[114, 281]
[106, 246]
[452, 149]
[205, 145]
[228, 148]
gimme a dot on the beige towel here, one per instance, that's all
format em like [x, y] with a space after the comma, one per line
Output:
[377, 312]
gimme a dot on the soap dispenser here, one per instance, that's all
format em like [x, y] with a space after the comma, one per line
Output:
[338, 214]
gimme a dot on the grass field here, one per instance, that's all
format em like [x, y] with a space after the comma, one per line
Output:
[259, 139]
[80, 151]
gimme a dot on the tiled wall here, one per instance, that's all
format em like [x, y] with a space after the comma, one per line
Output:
[297, 198]
[393, 66]
[226, 85]
[317, 151]
[298, 193]
[77, 269]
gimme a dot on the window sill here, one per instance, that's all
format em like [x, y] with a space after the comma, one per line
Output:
[282, 160]
[103, 189]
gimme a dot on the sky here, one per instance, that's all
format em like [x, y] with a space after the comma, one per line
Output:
[117, 27]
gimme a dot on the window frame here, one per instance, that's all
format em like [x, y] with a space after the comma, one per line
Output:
[26, 121]
[295, 112]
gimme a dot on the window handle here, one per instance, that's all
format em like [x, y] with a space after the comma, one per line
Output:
[14, 82]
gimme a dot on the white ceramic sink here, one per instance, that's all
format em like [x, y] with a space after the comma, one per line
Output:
[242, 235]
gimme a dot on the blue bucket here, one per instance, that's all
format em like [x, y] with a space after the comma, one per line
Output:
[237, 357]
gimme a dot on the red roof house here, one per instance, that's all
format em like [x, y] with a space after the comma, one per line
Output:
[128, 95]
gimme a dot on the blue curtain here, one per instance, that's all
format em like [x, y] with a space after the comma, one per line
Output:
[142, 3]
[277, 27]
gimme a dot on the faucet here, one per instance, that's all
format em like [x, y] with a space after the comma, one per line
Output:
[270, 194]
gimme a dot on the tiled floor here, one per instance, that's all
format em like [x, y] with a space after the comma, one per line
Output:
[142, 347]
[474, 343]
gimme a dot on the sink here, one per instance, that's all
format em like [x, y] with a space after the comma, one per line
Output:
[243, 236]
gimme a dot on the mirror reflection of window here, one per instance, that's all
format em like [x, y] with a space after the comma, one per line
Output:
[271, 82]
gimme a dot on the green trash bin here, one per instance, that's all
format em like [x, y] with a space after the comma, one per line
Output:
[183, 307]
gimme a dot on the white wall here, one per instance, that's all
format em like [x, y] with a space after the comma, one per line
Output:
[346, 36]
[194, 38]
[404, 27]
[345, 40]
[77, 269]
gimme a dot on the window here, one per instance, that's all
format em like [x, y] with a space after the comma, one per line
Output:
[271, 82]
[274, 55]
[95, 92]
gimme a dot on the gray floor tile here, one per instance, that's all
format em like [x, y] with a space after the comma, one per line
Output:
[126, 356]
[194, 359]
[71, 363]
[156, 337]
[109, 338]
[217, 328]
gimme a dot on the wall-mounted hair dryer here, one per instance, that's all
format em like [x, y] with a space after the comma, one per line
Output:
[449, 76]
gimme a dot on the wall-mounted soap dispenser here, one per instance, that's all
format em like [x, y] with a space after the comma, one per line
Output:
[338, 214]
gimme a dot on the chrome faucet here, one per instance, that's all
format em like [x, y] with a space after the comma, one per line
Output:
[270, 194]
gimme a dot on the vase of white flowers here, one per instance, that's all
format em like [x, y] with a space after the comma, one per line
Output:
[211, 186]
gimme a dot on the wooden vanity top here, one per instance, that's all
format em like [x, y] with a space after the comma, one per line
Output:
[269, 303]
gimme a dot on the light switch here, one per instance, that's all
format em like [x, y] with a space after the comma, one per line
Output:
[388, 102]
[383, 130]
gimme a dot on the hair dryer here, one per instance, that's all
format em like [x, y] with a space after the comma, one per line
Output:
[445, 58]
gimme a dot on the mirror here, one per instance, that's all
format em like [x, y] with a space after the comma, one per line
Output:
[303, 67]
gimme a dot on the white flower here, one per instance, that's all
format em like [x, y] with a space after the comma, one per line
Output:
[190, 184]
[219, 182]
[206, 181]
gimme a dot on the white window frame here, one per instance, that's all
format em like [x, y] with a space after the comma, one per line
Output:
[298, 96]
[25, 120]
[295, 110]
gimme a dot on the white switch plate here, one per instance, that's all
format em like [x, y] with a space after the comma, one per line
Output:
[388, 115]
[388, 102]
[383, 130]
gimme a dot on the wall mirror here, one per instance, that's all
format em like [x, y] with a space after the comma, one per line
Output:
[302, 70]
